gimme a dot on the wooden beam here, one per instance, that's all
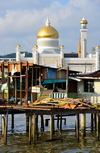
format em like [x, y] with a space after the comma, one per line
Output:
[2, 69]
[21, 83]
[26, 84]
[62, 68]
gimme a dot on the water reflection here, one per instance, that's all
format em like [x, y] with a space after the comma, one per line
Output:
[17, 142]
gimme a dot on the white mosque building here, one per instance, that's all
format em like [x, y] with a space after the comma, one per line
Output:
[47, 51]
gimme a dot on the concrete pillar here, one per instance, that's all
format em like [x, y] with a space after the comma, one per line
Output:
[18, 53]
[84, 48]
[97, 57]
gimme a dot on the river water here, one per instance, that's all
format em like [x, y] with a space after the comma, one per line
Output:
[17, 140]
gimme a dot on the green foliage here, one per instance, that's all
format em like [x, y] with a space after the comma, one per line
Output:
[13, 55]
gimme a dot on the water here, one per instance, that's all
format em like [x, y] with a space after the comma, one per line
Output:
[17, 142]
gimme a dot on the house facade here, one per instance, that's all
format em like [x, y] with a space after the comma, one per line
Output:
[89, 86]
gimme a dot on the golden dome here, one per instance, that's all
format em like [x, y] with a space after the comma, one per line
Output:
[97, 46]
[83, 21]
[47, 31]
[18, 46]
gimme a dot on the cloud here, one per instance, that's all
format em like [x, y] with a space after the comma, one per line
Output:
[23, 4]
[20, 21]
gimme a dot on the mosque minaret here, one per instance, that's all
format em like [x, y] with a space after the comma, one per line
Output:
[83, 31]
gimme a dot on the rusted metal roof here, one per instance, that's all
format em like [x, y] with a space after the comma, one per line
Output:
[91, 74]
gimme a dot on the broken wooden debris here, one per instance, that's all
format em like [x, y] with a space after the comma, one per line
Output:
[63, 102]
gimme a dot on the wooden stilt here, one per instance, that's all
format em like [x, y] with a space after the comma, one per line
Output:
[37, 127]
[8, 88]
[15, 90]
[21, 83]
[99, 121]
[2, 70]
[12, 123]
[27, 123]
[77, 126]
[64, 121]
[94, 120]
[51, 126]
[58, 122]
[6, 126]
[42, 123]
[91, 121]
[33, 127]
[61, 122]
[83, 124]
[30, 128]
[97, 125]
[3, 124]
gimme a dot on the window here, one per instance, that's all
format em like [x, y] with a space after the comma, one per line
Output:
[89, 85]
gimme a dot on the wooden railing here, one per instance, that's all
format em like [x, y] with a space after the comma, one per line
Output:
[59, 94]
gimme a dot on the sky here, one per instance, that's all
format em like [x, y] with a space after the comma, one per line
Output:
[20, 20]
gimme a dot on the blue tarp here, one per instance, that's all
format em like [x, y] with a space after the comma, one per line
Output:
[51, 73]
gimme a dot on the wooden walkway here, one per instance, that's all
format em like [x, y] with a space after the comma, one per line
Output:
[54, 113]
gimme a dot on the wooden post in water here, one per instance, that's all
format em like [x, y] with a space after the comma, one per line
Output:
[42, 123]
[97, 125]
[51, 126]
[6, 127]
[77, 126]
[27, 123]
[30, 128]
[61, 122]
[3, 124]
[92, 122]
[83, 124]
[64, 121]
[58, 121]
[12, 121]
[37, 126]
[33, 127]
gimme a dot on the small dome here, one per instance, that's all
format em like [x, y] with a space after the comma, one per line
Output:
[18, 46]
[97, 46]
[47, 31]
[83, 21]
